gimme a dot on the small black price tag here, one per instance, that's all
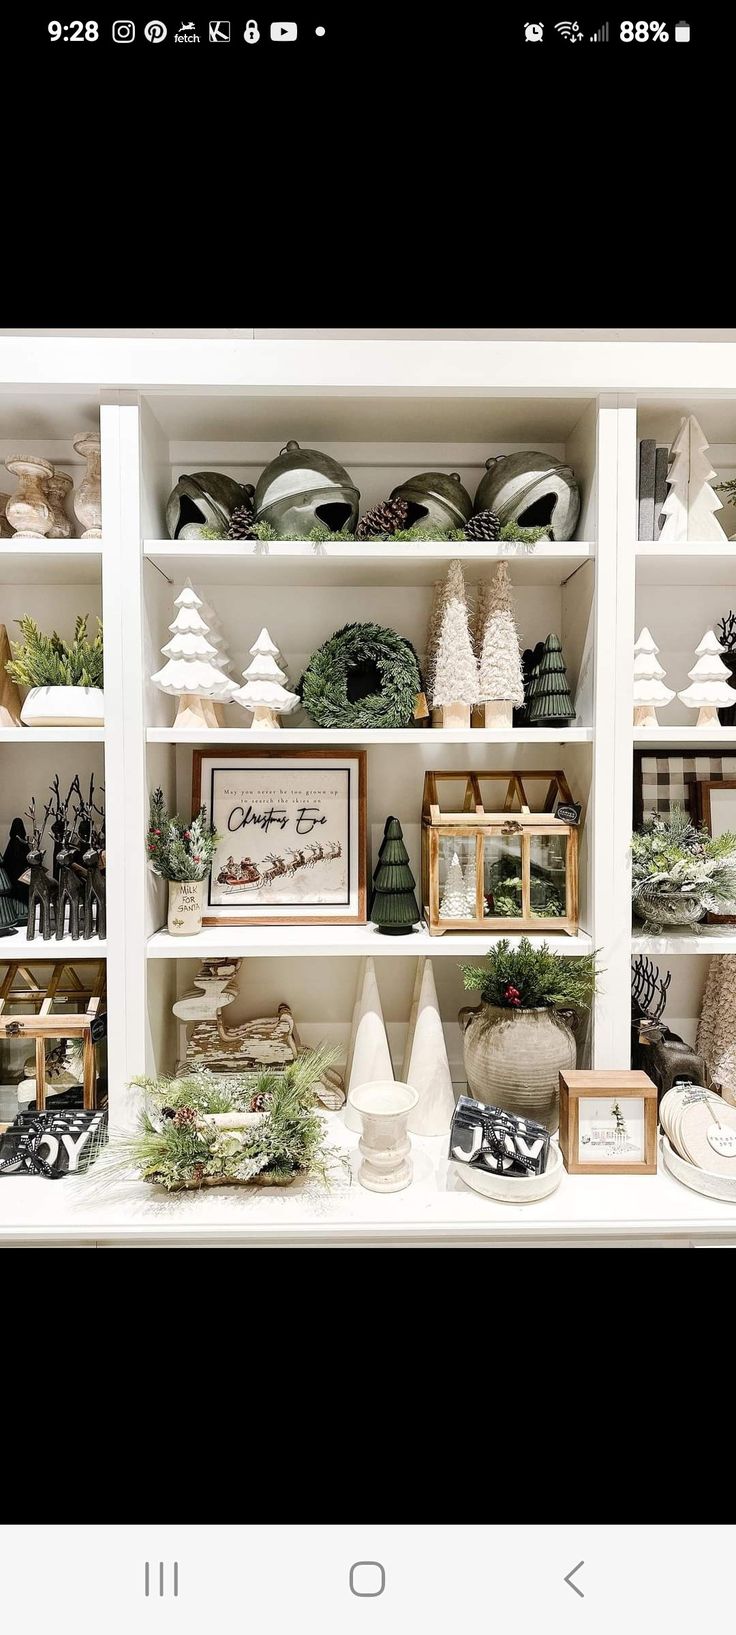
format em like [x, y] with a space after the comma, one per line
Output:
[98, 1029]
[569, 813]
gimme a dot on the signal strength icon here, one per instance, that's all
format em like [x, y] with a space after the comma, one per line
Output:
[601, 34]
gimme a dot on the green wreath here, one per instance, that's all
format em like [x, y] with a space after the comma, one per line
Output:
[363, 676]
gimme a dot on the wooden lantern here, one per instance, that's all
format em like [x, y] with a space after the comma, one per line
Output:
[27, 1012]
[519, 866]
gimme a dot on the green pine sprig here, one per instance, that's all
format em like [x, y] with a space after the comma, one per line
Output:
[49, 661]
[178, 850]
[539, 976]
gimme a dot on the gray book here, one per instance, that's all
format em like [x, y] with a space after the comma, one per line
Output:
[647, 455]
[661, 466]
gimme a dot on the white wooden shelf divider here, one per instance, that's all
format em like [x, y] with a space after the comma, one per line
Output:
[698, 740]
[289, 941]
[427, 740]
[52, 735]
[297, 562]
[707, 939]
[20, 946]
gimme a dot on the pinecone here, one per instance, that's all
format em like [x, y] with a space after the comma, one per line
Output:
[185, 1116]
[241, 523]
[258, 1103]
[383, 519]
[484, 525]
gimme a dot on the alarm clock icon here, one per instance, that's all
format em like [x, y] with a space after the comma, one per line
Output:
[533, 33]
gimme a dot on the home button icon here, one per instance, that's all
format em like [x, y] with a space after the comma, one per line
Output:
[367, 1578]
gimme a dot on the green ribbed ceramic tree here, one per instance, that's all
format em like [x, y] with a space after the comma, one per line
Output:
[394, 906]
[549, 702]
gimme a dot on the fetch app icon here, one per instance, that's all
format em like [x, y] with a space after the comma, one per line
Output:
[283, 31]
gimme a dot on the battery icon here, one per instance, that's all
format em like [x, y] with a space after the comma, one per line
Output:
[682, 33]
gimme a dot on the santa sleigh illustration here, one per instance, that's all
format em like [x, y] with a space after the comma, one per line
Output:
[234, 876]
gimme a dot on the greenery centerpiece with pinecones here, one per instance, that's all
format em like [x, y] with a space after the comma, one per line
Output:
[680, 872]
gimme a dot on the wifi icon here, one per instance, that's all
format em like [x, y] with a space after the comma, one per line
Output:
[569, 31]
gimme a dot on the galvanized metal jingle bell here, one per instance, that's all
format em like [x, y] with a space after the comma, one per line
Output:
[533, 490]
[435, 500]
[203, 499]
[302, 488]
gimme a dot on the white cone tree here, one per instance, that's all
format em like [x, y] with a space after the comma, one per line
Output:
[192, 672]
[369, 1056]
[649, 693]
[710, 683]
[264, 692]
[690, 503]
[454, 903]
[501, 683]
[428, 1068]
[455, 686]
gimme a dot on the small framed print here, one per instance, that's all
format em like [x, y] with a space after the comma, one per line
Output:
[717, 811]
[608, 1123]
[292, 827]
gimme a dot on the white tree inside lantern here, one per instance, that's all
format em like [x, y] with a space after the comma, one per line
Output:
[688, 510]
[264, 692]
[649, 693]
[192, 673]
[711, 687]
[455, 904]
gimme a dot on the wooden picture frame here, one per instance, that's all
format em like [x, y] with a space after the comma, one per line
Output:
[710, 814]
[592, 1122]
[231, 776]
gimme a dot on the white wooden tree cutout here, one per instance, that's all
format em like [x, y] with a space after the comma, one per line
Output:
[264, 692]
[369, 1056]
[192, 673]
[690, 503]
[711, 686]
[455, 685]
[428, 1068]
[501, 684]
[649, 693]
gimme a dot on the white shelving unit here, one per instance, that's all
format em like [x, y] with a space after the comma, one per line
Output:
[385, 409]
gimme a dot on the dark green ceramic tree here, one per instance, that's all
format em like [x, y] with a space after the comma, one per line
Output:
[394, 906]
[549, 703]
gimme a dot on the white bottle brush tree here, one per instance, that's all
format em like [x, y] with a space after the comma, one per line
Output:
[501, 682]
[264, 692]
[455, 903]
[192, 672]
[710, 683]
[649, 693]
[455, 686]
[688, 510]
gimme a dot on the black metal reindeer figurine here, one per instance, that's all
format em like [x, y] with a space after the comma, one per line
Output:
[95, 908]
[42, 890]
[71, 884]
[654, 1048]
[727, 636]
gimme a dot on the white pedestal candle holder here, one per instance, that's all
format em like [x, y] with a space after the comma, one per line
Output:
[385, 1148]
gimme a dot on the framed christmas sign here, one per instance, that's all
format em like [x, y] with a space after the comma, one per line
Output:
[292, 827]
[608, 1123]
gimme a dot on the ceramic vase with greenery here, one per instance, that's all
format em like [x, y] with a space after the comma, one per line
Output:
[519, 1039]
[64, 679]
[680, 872]
[181, 852]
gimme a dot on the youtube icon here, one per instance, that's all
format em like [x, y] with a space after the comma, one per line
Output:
[283, 31]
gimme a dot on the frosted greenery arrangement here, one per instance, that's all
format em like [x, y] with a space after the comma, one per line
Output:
[49, 661]
[178, 850]
[672, 859]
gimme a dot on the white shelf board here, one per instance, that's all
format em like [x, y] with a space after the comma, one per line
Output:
[427, 739]
[680, 939]
[19, 946]
[284, 941]
[436, 1209]
[52, 735]
[296, 562]
[699, 740]
[56, 562]
[686, 564]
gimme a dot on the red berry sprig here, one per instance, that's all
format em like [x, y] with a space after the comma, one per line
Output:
[511, 994]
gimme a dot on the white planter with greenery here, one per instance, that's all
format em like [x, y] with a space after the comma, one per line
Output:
[64, 679]
[64, 707]
[185, 907]
[181, 853]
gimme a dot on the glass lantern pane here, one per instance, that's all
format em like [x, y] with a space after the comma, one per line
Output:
[502, 876]
[457, 877]
[548, 857]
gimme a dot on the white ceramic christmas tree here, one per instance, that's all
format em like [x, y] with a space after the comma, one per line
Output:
[192, 673]
[455, 685]
[711, 687]
[369, 1057]
[427, 1066]
[649, 694]
[217, 637]
[454, 904]
[501, 684]
[690, 503]
[264, 692]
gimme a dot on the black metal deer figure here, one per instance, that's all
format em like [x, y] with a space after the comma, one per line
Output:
[71, 884]
[95, 896]
[57, 828]
[42, 890]
[727, 636]
[654, 1048]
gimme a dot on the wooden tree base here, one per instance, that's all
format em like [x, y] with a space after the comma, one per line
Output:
[195, 713]
[456, 717]
[499, 712]
[264, 720]
[645, 715]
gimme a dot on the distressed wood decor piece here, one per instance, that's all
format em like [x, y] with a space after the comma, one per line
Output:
[27, 1011]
